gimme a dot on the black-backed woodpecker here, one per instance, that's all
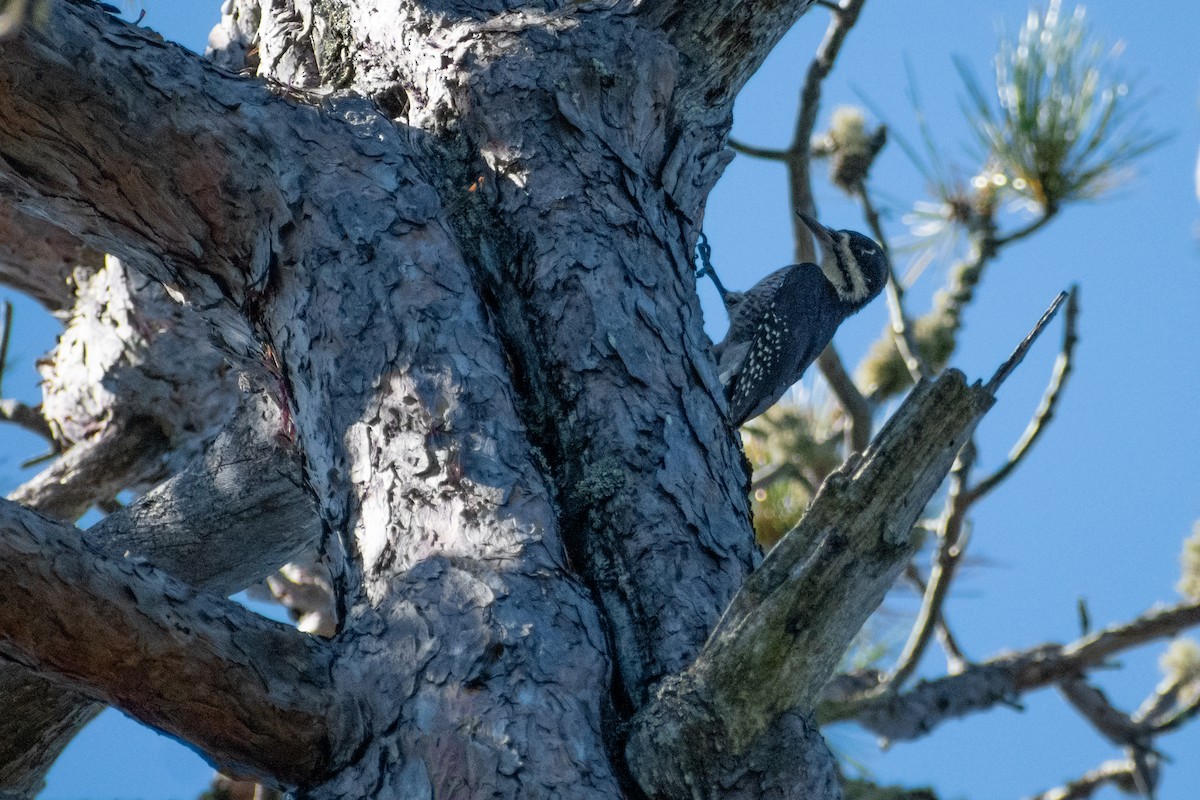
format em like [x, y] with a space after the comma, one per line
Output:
[779, 327]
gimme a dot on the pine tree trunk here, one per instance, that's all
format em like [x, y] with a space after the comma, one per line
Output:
[452, 242]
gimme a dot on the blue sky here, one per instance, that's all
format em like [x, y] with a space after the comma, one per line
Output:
[1098, 510]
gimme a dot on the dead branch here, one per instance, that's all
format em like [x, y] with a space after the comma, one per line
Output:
[795, 615]
[121, 456]
[1045, 412]
[910, 714]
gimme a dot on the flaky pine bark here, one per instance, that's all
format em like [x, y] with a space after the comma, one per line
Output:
[451, 241]
[222, 524]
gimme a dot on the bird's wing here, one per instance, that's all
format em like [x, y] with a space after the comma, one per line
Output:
[784, 329]
[732, 351]
[729, 360]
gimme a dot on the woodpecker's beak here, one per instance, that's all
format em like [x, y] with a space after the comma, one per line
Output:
[823, 235]
[837, 262]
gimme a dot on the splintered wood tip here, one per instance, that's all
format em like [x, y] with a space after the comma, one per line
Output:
[1019, 354]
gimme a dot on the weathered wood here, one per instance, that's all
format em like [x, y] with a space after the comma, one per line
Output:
[784, 632]
[129, 634]
[235, 515]
[471, 292]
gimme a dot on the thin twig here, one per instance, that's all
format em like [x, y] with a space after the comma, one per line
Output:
[1021, 233]
[956, 661]
[123, 454]
[1094, 706]
[1177, 719]
[964, 278]
[1093, 649]
[951, 538]
[949, 553]
[1045, 412]
[43, 458]
[1162, 700]
[1118, 773]
[4, 339]
[901, 327]
[768, 476]
[766, 153]
[858, 410]
[1023, 348]
[915, 712]
[852, 401]
[798, 161]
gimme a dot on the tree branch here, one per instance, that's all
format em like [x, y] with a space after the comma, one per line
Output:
[1045, 412]
[97, 469]
[796, 614]
[133, 636]
[902, 469]
[224, 523]
[121, 163]
[799, 162]
[1162, 700]
[27, 417]
[1018, 355]
[232, 518]
[949, 554]
[37, 258]
[767, 476]
[1094, 706]
[1122, 774]
[852, 401]
[999, 241]
[1116, 726]
[765, 153]
[956, 661]
[914, 713]
[856, 407]
[725, 41]
[1094, 649]
[1178, 718]
[133, 391]
[902, 333]
[960, 498]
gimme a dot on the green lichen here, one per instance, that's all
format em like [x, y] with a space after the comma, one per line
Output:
[332, 49]
[600, 482]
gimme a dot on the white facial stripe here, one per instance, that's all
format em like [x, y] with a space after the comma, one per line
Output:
[833, 273]
[849, 266]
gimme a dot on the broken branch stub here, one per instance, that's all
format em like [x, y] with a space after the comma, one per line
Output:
[785, 631]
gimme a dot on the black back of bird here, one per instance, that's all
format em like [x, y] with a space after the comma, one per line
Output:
[783, 323]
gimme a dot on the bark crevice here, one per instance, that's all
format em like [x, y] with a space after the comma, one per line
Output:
[480, 319]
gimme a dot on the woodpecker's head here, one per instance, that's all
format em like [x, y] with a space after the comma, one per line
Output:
[854, 264]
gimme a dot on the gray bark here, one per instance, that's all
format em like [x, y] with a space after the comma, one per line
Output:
[126, 633]
[231, 518]
[910, 714]
[129, 352]
[794, 617]
[133, 391]
[451, 241]
[38, 258]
